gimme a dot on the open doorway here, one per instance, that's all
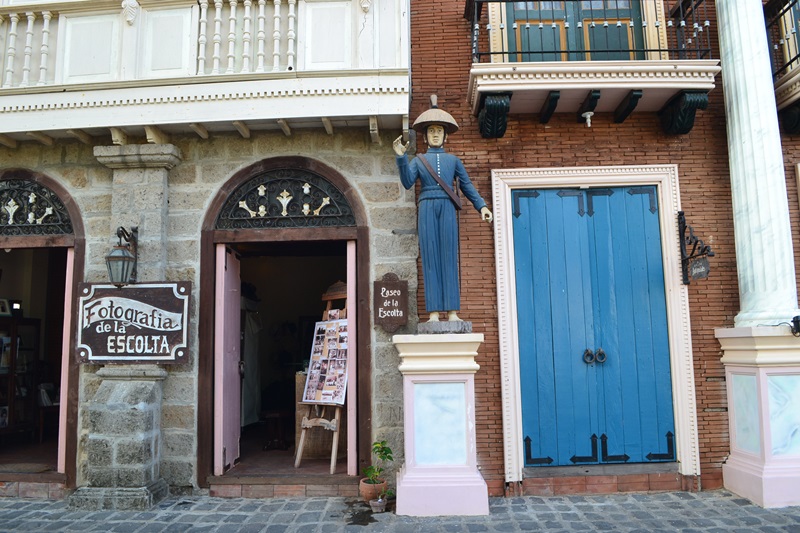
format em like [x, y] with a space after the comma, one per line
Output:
[282, 284]
[32, 298]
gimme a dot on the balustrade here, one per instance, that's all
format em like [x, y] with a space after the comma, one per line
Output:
[47, 45]
[244, 54]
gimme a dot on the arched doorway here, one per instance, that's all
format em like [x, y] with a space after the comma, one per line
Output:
[42, 238]
[292, 226]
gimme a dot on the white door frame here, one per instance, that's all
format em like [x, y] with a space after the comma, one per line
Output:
[665, 178]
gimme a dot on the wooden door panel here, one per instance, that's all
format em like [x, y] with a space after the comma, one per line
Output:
[553, 337]
[613, 307]
[590, 276]
[655, 388]
[573, 327]
[534, 333]
[227, 381]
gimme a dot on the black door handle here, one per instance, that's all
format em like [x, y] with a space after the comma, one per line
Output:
[590, 357]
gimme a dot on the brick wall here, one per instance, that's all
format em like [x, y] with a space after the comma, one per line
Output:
[440, 64]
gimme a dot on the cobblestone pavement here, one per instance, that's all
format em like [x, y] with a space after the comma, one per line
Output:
[712, 511]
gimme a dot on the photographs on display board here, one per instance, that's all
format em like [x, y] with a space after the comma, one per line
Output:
[327, 370]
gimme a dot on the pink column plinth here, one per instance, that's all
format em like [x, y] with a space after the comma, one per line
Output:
[440, 476]
[762, 373]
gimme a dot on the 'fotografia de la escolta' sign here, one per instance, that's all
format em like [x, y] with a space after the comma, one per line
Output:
[144, 323]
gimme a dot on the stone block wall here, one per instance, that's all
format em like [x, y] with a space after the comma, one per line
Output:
[191, 185]
[123, 447]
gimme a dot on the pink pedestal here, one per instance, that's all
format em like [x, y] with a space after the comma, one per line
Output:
[437, 492]
[440, 476]
[762, 374]
[768, 485]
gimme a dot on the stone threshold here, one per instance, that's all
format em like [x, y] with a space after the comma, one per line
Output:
[282, 486]
[29, 477]
[604, 484]
[34, 489]
[283, 479]
[616, 469]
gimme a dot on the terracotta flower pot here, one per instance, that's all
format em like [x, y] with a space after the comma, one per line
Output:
[378, 506]
[370, 491]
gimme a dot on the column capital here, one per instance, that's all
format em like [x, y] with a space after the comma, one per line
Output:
[164, 156]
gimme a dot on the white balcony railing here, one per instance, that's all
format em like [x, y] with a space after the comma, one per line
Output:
[89, 66]
[80, 41]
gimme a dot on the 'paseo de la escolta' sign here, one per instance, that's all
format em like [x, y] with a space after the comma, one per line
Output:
[142, 323]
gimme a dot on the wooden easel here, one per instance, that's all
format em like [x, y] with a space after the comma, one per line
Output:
[326, 415]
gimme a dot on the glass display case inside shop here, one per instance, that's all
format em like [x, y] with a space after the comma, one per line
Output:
[19, 356]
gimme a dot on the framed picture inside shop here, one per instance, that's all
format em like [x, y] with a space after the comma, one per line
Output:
[326, 381]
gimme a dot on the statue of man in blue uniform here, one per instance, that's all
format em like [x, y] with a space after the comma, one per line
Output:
[437, 223]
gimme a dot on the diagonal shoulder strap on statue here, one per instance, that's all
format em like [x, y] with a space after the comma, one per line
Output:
[453, 196]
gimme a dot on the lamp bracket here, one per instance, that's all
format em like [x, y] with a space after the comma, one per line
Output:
[693, 249]
[131, 239]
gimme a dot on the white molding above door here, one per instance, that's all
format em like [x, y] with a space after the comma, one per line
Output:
[665, 178]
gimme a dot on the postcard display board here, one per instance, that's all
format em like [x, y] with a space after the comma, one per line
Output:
[326, 382]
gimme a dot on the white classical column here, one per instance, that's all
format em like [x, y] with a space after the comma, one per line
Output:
[762, 361]
[764, 256]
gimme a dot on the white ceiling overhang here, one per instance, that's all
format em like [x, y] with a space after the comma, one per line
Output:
[376, 99]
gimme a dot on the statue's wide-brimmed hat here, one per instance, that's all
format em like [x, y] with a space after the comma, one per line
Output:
[434, 115]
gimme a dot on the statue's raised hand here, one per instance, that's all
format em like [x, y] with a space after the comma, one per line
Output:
[399, 147]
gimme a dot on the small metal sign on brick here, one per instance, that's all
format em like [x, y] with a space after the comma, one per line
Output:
[145, 323]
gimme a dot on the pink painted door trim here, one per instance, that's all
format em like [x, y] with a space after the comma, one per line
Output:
[352, 358]
[65, 362]
[227, 338]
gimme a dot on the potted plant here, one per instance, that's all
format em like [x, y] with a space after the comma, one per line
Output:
[372, 485]
[378, 505]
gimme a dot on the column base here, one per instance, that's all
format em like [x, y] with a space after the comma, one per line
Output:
[119, 498]
[441, 493]
[764, 485]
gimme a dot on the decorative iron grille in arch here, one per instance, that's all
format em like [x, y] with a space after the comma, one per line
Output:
[28, 208]
[286, 198]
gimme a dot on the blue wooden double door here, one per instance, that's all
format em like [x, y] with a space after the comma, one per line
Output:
[592, 326]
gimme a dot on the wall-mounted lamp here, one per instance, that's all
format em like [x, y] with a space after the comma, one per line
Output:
[122, 259]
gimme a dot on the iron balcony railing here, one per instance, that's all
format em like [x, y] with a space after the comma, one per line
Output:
[782, 17]
[589, 30]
